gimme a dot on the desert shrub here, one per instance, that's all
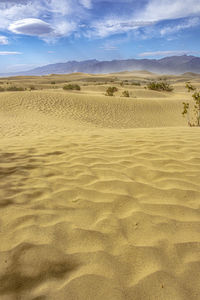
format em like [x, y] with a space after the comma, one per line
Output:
[163, 78]
[15, 89]
[111, 90]
[2, 89]
[125, 94]
[159, 86]
[71, 87]
[32, 88]
[196, 107]
[53, 82]
[136, 83]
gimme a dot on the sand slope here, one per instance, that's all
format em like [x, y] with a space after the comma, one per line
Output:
[94, 207]
[40, 112]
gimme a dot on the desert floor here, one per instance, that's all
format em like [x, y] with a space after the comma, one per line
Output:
[99, 196]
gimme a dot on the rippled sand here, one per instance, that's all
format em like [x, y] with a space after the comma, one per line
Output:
[95, 206]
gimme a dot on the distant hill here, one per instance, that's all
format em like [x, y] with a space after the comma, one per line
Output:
[167, 65]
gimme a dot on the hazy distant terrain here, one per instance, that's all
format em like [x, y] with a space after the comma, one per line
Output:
[99, 195]
[169, 65]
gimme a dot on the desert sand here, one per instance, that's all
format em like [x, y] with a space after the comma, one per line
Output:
[99, 196]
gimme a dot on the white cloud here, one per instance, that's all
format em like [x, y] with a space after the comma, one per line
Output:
[149, 15]
[3, 40]
[31, 27]
[115, 26]
[193, 22]
[109, 48]
[86, 3]
[64, 17]
[157, 10]
[168, 53]
[9, 53]
[47, 19]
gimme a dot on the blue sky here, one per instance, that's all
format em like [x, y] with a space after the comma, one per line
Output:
[40, 32]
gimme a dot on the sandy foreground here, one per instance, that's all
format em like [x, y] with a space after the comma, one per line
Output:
[99, 197]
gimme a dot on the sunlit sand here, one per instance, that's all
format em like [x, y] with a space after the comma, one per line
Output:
[99, 195]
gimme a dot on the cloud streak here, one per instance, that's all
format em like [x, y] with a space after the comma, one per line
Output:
[190, 23]
[10, 53]
[3, 40]
[158, 10]
[115, 26]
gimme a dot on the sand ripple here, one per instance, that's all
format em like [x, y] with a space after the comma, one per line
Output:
[106, 214]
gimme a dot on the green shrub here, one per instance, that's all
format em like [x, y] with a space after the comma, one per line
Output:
[159, 86]
[32, 88]
[136, 83]
[196, 108]
[111, 90]
[72, 87]
[15, 89]
[125, 94]
[53, 82]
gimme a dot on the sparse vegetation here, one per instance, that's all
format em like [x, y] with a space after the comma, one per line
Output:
[15, 89]
[72, 87]
[111, 90]
[125, 94]
[163, 78]
[53, 82]
[160, 86]
[196, 107]
[32, 88]
[136, 83]
[2, 89]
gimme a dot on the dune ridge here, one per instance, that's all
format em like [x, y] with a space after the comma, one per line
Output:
[32, 113]
[99, 198]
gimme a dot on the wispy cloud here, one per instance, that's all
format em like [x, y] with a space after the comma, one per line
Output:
[158, 10]
[149, 15]
[51, 19]
[3, 40]
[10, 53]
[186, 24]
[115, 26]
[109, 48]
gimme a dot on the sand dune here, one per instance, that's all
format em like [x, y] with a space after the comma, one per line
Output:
[38, 112]
[99, 198]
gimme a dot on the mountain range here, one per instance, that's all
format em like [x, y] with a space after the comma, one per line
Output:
[167, 65]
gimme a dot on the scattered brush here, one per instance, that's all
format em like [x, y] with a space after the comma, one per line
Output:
[136, 83]
[32, 88]
[111, 90]
[196, 107]
[160, 86]
[75, 87]
[125, 94]
[15, 89]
